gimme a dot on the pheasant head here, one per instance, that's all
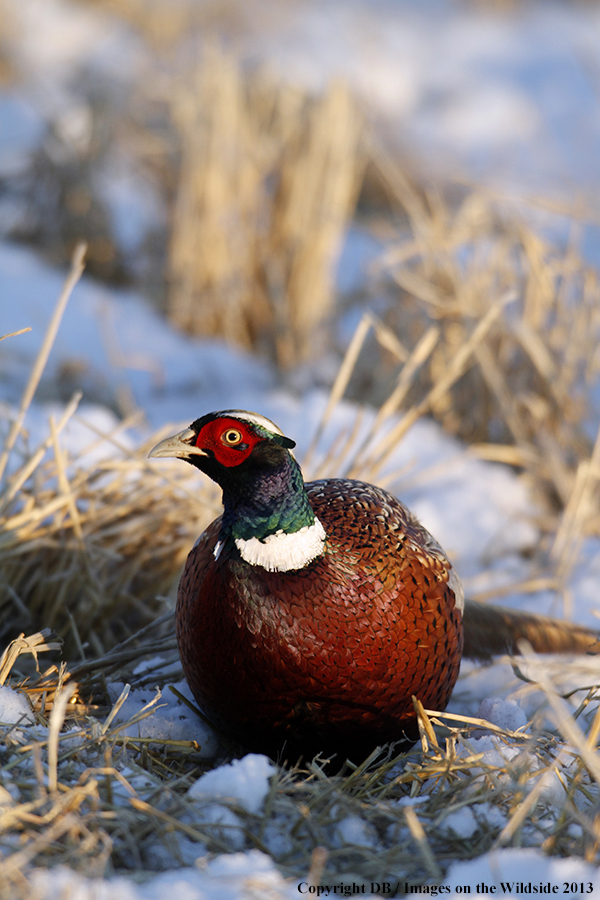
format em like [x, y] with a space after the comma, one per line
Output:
[266, 510]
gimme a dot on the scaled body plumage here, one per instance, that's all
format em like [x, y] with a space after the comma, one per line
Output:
[308, 616]
[325, 658]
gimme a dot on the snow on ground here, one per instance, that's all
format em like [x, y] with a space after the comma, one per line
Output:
[122, 345]
[233, 876]
[245, 780]
[252, 875]
[515, 868]
[115, 341]
[171, 719]
[478, 510]
[14, 710]
[510, 97]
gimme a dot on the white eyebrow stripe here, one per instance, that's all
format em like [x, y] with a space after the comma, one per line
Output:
[254, 419]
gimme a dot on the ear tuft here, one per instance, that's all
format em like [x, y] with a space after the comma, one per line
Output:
[283, 441]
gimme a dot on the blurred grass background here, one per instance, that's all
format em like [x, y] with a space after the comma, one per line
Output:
[259, 182]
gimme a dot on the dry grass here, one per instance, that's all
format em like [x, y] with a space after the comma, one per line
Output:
[93, 799]
[92, 560]
[260, 180]
[504, 326]
[256, 181]
[267, 183]
[87, 551]
[6, 36]
[534, 368]
[491, 328]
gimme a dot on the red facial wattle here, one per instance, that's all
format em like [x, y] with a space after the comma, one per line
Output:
[229, 440]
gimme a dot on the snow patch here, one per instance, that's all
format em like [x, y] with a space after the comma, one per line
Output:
[246, 781]
[354, 830]
[170, 720]
[515, 866]
[14, 707]
[231, 876]
[505, 714]
[462, 822]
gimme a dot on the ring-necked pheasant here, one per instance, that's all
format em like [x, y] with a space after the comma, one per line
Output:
[308, 615]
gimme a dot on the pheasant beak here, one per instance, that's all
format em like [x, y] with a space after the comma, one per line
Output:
[180, 445]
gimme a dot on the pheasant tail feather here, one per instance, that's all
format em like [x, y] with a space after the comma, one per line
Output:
[493, 630]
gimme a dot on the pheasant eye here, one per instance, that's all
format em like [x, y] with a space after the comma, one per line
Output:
[231, 437]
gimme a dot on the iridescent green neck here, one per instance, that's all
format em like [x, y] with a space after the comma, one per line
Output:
[264, 500]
